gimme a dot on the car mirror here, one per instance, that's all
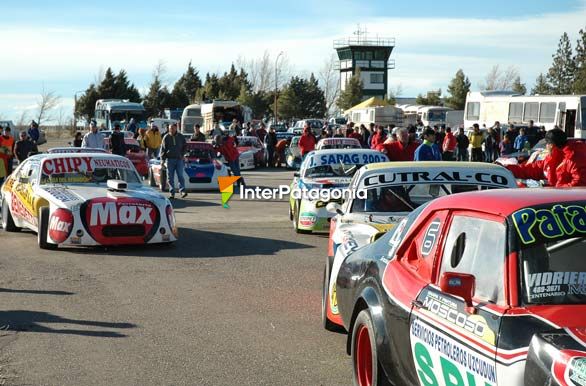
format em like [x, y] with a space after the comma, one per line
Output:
[334, 207]
[296, 174]
[461, 285]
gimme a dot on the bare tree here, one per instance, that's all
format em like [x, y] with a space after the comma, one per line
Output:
[500, 79]
[99, 77]
[160, 71]
[395, 92]
[261, 71]
[329, 77]
[63, 117]
[47, 102]
[22, 119]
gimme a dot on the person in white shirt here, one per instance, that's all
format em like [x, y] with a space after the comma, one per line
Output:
[94, 139]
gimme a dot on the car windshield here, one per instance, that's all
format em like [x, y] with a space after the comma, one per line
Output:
[405, 198]
[200, 153]
[96, 176]
[554, 273]
[332, 170]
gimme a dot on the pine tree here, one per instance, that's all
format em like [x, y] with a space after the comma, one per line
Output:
[157, 98]
[352, 94]
[561, 74]
[519, 87]
[86, 104]
[123, 89]
[580, 64]
[541, 86]
[107, 88]
[258, 101]
[433, 98]
[186, 88]
[458, 90]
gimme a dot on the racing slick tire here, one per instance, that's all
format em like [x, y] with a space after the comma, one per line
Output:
[366, 369]
[44, 229]
[296, 219]
[7, 220]
[326, 323]
[163, 183]
[152, 182]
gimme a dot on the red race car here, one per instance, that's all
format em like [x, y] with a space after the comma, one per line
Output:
[252, 144]
[481, 288]
[135, 154]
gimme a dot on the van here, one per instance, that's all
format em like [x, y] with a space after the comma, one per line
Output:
[190, 117]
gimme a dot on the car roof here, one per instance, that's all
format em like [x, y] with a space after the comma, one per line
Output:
[432, 164]
[350, 151]
[504, 202]
[44, 156]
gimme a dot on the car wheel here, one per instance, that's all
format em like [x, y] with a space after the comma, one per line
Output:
[163, 182]
[327, 324]
[290, 213]
[44, 229]
[366, 369]
[7, 220]
[296, 218]
[152, 181]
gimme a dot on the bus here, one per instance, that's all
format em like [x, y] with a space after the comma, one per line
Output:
[191, 116]
[568, 112]
[418, 115]
[112, 111]
[223, 112]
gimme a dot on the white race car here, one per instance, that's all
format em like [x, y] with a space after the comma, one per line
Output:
[324, 170]
[85, 199]
[338, 143]
[393, 190]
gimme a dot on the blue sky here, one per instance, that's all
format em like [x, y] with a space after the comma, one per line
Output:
[62, 46]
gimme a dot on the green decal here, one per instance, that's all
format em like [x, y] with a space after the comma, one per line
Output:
[452, 376]
[425, 372]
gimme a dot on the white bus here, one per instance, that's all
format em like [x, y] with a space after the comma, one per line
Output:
[426, 115]
[568, 112]
[190, 117]
[111, 111]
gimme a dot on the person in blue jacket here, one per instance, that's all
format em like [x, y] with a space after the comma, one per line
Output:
[428, 150]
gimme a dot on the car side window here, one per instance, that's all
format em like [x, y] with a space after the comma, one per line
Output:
[477, 246]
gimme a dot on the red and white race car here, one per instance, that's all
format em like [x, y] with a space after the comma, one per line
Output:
[85, 199]
[252, 152]
[481, 288]
[135, 154]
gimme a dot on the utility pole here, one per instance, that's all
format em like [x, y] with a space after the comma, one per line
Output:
[276, 85]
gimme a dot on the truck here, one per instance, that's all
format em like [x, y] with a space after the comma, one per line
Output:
[380, 115]
[223, 112]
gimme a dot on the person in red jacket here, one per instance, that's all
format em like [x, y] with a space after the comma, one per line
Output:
[350, 133]
[400, 150]
[227, 148]
[449, 145]
[307, 141]
[564, 166]
[378, 138]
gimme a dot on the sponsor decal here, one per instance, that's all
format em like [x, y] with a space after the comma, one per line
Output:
[333, 300]
[431, 236]
[82, 164]
[448, 310]
[347, 159]
[62, 194]
[226, 185]
[60, 225]
[441, 360]
[548, 224]
[577, 373]
[480, 178]
[569, 368]
[307, 219]
[19, 210]
[555, 284]
[111, 220]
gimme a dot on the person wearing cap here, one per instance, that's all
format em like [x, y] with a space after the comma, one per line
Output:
[117, 144]
[173, 154]
[564, 165]
[24, 147]
[93, 139]
[33, 132]
[153, 141]
[428, 150]
[197, 134]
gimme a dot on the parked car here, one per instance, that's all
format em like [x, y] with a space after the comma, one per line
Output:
[135, 154]
[252, 145]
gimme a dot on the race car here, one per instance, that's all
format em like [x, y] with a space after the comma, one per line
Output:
[134, 153]
[478, 288]
[85, 199]
[202, 169]
[323, 178]
[338, 143]
[293, 154]
[70, 149]
[251, 145]
[391, 191]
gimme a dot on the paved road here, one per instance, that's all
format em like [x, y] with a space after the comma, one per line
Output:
[235, 301]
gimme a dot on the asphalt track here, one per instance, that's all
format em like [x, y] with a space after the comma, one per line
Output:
[236, 301]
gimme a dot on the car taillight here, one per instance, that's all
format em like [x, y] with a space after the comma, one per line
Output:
[60, 225]
[171, 219]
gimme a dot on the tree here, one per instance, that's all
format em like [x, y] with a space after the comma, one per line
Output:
[561, 73]
[541, 86]
[519, 87]
[45, 104]
[458, 90]
[302, 98]
[210, 89]
[259, 101]
[394, 93]
[352, 93]
[107, 88]
[315, 102]
[329, 79]
[185, 89]
[123, 89]
[158, 97]
[580, 64]
[498, 79]
[433, 98]
[86, 104]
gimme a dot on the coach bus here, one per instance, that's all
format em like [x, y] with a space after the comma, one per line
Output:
[112, 111]
[568, 112]
[424, 115]
[190, 117]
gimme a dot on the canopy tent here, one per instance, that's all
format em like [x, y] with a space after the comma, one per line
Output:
[370, 102]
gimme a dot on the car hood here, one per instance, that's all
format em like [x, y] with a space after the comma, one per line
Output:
[361, 227]
[326, 182]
